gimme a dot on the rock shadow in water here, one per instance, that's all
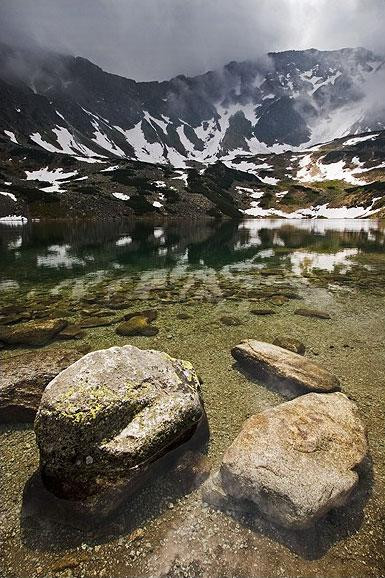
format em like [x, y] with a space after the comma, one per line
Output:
[285, 388]
[52, 524]
[314, 542]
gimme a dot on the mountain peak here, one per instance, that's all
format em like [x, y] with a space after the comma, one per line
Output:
[289, 99]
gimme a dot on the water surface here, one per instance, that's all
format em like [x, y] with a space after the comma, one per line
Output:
[204, 271]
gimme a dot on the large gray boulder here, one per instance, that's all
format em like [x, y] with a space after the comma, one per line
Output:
[104, 419]
[293, 463]
[289, 372]
[23, 379]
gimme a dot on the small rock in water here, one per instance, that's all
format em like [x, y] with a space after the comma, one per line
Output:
[312, 313]
[71, 332]
[137, 325]
[271, 271]
[291, 344]
[23, 379]
[32, 332]
[183, 316]
[230, 321]
[149, 314]
[279, 299]
[291, 373]
[96, 322]
[293, 462]
[262, 311]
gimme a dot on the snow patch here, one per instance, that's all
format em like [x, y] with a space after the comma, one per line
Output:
[10, 195]
[11, 136]
[358, 139]
[121, 196]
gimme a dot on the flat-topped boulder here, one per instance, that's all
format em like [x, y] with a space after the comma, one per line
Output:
[106, 418]
[32, 332]
[293, 463]
[287, 371]
[316, 313]
[24, 377]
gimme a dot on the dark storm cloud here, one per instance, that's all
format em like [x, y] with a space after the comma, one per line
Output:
[157, 39]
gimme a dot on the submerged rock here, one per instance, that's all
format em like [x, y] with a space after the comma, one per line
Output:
[71, 332]
[137, 325]
[271, 271]
[183, 316]
[96, 322]
[23, 379]
[32, 332]
[305, 312]
[279, 299]
[262, 311]
[149, 314]
[107, 417]
[291, 344]
[13, 318]
[230, 321]
[291, 373]
[293, 462]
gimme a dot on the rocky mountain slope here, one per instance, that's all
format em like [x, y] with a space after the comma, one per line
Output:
[341, 179]
[76, 141]
[290, 99]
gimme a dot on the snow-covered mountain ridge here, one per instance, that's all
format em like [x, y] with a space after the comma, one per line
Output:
[341, 179]
[289, 100]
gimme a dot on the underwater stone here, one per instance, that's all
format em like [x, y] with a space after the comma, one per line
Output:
[32, 332]
[291, 344]
[312, 313]
[230, 321]
[23, 379]
[262, 311]
[136, 325]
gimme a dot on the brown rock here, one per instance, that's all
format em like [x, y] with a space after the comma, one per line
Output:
[32, 332]
[292, 374]
[294, 462]
[23, 379]
[136, 325]
[262, 311]
[96, 322]
[230, 321]
[312, 313]
[149, 314]
[291, 344]
[71, 332]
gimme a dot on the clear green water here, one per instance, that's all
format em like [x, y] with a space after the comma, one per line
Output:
[207, 271]
[57, 256]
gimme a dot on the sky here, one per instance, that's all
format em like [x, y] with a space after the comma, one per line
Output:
[159, 39]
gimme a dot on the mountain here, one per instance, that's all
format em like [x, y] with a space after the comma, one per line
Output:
[341, 179]
[287, 100]
[78, 142]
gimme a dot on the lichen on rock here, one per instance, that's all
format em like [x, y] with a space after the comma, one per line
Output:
[110, 414]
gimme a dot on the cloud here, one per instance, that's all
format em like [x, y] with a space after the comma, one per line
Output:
[158, 39]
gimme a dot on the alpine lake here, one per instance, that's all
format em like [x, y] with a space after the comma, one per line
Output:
[203, 280]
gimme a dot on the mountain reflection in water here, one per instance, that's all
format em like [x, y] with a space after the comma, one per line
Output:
[53, 253]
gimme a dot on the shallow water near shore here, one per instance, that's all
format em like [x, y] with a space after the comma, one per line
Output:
[195, 275]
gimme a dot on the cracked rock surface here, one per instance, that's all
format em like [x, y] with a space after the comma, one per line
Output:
[288, 372]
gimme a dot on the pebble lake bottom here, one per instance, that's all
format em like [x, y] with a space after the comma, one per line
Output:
[197, 277]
